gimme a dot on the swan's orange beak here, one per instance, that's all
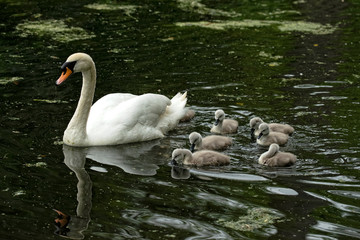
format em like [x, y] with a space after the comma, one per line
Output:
[64, 75]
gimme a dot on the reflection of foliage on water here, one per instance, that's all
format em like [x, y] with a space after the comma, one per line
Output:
[55, 29]
[254, 219]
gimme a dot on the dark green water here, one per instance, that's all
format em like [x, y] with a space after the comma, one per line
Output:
[285, 61]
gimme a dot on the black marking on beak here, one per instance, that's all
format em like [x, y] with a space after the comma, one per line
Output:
[174, 162]
[69, 65]
[192, 147]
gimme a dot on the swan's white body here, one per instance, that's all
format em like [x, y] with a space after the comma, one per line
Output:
[117, 118]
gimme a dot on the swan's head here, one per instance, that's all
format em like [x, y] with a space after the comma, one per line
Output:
[219, 116]
[195, 140]
[264, 130]
[178, 156]
[77, 62]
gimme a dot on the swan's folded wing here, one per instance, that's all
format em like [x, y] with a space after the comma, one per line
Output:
[132, 120]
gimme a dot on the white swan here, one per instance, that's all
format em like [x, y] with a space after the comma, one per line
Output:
[213, 142]
[267, 137]
[274, 158]
[199, 158]
[275, 127]
[222, 125]
[119, 117]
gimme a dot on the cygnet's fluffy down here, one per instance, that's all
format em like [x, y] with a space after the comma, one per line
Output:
[189, 114]
[222, 125]
[213, 142]
[266, 137]
[274, 158]
[274, 127]
[202, 158]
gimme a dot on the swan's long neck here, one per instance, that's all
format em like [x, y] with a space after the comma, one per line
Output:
[75, 133]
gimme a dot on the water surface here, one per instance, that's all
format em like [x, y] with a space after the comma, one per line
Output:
[285, 61]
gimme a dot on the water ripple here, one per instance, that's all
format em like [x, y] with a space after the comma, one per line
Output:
[200, 230]
[340, 206]
[306, 86]
[230, 176]
[329, 183]
[333, 228]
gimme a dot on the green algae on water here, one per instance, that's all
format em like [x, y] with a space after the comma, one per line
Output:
[49, 101]
[255, 218]
[128, 9]
[54, 29]
[38, 164]
[284, 26]
[197, 7]
[7, 80]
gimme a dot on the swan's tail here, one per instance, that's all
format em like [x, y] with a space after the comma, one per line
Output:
[174, 112]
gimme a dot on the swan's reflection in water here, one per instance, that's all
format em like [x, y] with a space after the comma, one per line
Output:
[132, 158]
[75, 160]
[136, 158]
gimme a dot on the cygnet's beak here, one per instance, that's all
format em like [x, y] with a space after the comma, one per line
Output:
[192, 147]
[174, 162]
[260, 135]
[252, 131]
[217, 122]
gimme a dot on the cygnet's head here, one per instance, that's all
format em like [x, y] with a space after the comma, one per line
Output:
[264, 130]
[219, 116]
[195, 140]
[254, 123]
[77, 62]
[178, 156]
[274, 147]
